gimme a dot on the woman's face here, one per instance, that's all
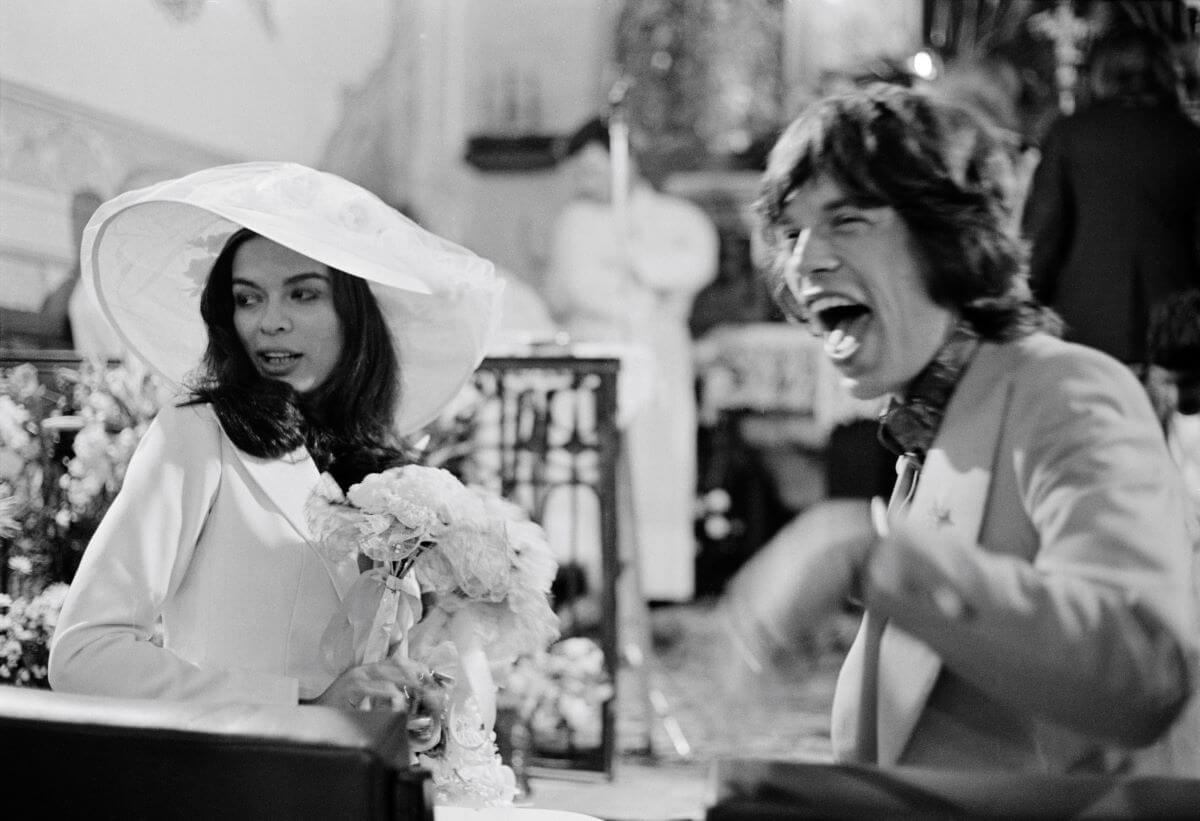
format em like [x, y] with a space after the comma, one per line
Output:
[860, 277]
[284, 314]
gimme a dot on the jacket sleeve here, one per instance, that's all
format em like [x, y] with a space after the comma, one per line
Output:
[136, 560]
[1097, 633]
[1048, 217]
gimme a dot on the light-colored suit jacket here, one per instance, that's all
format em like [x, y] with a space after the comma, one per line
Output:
[215, 542]
[1043, 615]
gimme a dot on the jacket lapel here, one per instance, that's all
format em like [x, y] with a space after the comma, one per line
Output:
[288, 482]
[950, 499]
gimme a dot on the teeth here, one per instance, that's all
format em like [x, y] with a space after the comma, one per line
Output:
[840, 345]
[823, 303]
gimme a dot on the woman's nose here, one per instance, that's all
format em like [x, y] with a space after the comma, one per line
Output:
[274, 319]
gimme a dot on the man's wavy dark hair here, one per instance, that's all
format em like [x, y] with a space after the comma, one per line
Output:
[346, 422]
[950, 178]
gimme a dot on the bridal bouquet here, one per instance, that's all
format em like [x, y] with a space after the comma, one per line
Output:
[460, 582]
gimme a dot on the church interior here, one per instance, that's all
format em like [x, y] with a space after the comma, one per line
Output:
[464, 116]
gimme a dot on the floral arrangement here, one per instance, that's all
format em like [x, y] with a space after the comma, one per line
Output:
[460, 582]
[25, 630]
[65, 441]
[114, 407]
[560, 694]
[64, 446]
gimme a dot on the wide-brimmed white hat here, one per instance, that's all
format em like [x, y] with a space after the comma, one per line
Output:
[146, 255]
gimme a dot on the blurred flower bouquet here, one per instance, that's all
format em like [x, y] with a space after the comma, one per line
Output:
[560, 694]
[25, 630]
[65, 441]
[64, 446]
[459, 582]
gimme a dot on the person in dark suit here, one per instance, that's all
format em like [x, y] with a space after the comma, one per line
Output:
[1113, 212]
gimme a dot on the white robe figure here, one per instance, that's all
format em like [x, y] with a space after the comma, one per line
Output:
[600, 297]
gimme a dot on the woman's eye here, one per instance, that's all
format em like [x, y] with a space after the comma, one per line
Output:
[306, 294]
[244, 299]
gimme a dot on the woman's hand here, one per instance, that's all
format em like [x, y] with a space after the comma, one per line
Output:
[397, 684]
[386, 684]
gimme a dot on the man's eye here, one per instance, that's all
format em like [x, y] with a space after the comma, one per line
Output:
[844, 219]
[788, 236]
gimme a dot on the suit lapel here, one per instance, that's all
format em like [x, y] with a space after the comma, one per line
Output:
[950, 500]
[288, 482]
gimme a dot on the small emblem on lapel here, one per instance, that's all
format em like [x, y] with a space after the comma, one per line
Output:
[939, 512]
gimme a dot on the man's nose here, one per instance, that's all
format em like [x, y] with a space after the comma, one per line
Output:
[813, 255]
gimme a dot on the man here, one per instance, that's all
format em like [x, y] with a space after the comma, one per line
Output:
[1028, 597]
[630, 278]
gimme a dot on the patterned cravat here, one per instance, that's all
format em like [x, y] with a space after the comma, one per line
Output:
[910, 422]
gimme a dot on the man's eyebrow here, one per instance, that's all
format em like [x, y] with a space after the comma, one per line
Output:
[849, 202]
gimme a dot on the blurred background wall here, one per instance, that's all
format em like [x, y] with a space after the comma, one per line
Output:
[111, 96]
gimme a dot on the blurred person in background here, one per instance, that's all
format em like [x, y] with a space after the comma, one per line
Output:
[1172, 378]
[1113, 212]
[67, 319]
[1029, 600]
[634, 284]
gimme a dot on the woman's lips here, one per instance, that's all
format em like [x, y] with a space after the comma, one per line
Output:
[275, 363]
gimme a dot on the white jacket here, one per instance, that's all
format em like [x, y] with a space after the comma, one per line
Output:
[214, 541]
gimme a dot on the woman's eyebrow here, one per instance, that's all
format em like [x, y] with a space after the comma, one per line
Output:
[294, 279]
[298, 278]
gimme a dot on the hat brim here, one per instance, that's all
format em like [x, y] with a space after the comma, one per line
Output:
[146, 255]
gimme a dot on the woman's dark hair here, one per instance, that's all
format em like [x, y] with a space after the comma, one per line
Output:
[1134, 65]
[949, 177]
[1173, 339]
[346, 422]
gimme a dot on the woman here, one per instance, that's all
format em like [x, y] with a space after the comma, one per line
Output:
[313, 327]
[1029, 596]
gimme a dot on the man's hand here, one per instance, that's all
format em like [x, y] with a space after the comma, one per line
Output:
[802, 577]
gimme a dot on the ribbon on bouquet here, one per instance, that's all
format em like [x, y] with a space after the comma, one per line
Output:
[379, 609]
[395, 610]
[473, 663]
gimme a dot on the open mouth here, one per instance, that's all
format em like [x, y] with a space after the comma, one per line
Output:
[843, 322]
[277, 361]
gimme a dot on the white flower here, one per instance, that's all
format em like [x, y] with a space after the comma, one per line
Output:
[21, 565]
[10, 506]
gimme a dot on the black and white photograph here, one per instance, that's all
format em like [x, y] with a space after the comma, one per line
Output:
[600, 410]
